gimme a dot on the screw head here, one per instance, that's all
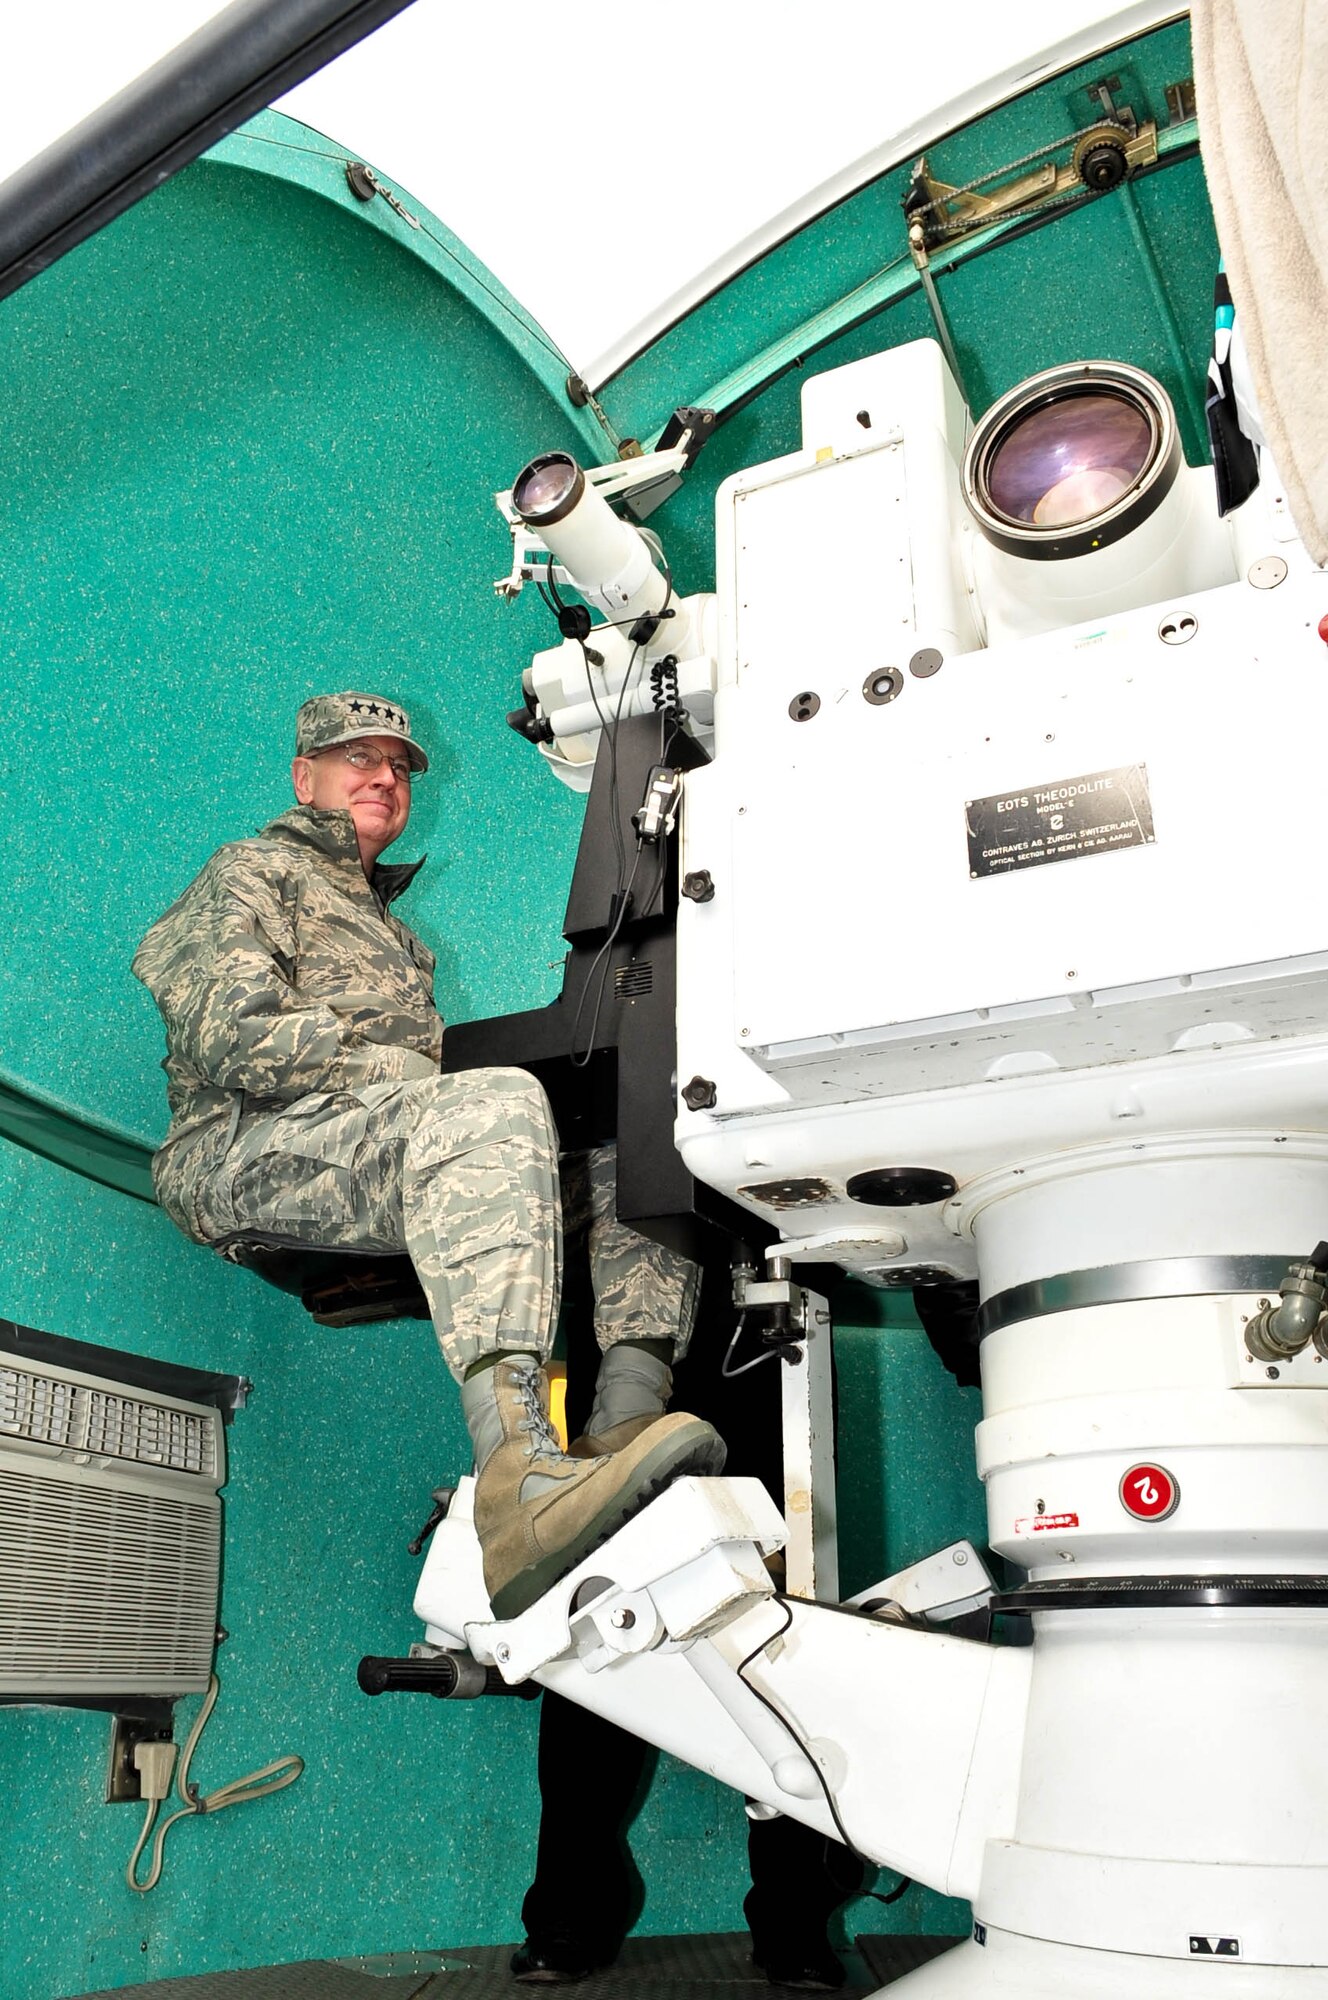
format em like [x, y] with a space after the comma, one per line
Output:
[623, 1618]
[502, 1654]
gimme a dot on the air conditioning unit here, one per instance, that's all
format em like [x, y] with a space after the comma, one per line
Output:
[110, 1522]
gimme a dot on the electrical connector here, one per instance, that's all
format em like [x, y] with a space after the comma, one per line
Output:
[155, 1764]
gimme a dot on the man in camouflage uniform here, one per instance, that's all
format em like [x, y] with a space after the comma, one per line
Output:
[307, 1103]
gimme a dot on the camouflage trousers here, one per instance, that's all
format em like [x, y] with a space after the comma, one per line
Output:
[462, 1172]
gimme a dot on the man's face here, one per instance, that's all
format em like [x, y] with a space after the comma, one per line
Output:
[378, 801]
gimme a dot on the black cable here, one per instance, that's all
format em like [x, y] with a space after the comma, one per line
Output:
[614, 804]
[661, 870]
[905, 1882]
[664, 696]
[616, 624]
[610, 729]
[580, 1061]
[668, 573]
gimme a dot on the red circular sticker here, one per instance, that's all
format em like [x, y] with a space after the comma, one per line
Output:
[1149, 1493]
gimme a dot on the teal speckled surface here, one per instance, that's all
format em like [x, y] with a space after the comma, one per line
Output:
[250, 445]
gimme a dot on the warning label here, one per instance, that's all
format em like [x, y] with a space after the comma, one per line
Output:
[1042, 1524]
[1061, 821]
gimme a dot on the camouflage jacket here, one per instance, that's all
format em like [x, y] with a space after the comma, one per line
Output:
[279, 972]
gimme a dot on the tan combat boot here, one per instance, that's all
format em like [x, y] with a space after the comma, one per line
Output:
[538, 1511]
[632, 1391]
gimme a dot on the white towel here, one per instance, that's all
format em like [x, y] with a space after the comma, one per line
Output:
[1261, 81]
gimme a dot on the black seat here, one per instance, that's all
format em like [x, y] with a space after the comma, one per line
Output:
[336, 1287]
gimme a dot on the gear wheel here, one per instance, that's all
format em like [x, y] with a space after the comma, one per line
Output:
[1100, 159]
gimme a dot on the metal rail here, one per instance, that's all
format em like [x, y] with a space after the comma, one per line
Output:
[251, 53]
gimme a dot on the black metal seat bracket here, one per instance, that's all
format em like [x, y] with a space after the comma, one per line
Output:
[336, 1286]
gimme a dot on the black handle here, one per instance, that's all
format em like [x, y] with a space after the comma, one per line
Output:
[448, 1676]
[437, 1676]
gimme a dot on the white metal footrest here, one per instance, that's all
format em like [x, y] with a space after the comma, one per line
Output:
[685, 1564]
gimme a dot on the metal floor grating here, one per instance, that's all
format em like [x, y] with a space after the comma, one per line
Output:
[672, 1968]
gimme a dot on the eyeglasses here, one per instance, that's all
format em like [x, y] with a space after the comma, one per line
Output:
[365, 758]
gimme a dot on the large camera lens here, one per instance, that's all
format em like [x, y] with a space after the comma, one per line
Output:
[1071, 460]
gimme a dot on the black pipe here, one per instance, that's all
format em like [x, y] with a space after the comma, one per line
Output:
[232, 67]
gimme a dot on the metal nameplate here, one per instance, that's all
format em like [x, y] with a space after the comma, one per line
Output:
[1060, 821]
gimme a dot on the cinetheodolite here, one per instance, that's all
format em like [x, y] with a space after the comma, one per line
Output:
[999, 716]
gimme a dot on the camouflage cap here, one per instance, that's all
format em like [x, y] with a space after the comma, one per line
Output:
[340, 718]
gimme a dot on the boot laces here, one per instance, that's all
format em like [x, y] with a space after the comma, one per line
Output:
[544, 1440]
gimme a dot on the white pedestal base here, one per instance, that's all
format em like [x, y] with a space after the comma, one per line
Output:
[1017, 1968]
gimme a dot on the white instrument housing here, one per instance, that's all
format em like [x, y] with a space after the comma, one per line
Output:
[1060, 887]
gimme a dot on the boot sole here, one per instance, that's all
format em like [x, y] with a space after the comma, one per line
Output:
[676, 1460]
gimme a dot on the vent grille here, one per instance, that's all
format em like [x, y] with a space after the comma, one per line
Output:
[74, 1417]
[630, 980]
[103, 1590]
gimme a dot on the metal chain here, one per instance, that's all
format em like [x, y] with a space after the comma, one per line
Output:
[1013, 167]
[1046, 206]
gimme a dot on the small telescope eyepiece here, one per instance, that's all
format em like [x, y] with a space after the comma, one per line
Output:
[548, 489]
